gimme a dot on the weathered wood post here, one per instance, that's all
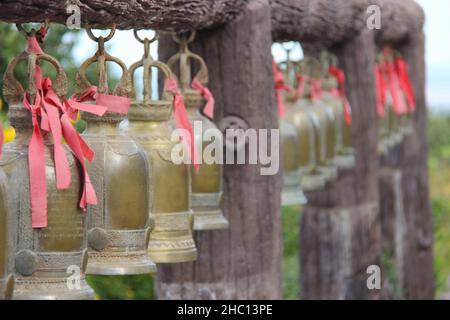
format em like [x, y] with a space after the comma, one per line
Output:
[243, 262]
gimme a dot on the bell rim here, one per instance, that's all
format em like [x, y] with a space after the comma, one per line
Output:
[174, 256]
[120, 269]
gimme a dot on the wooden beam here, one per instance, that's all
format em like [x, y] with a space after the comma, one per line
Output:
[143, 14]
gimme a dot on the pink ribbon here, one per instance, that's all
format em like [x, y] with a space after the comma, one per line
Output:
[208, 110]
[182, 120]
[380, 90]
[401, 69]
[280, 86]
[340, 77]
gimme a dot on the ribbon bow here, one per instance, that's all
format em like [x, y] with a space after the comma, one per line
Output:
[340, 77]
[405, 82]
[280, 86]
[208, 110]
[182, 120]
[54, 119]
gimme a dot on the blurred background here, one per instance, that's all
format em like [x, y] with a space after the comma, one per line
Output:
[72, 47]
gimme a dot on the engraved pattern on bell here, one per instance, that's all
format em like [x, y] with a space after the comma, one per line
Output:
[292, 193]
[64, 240]
[6, 242]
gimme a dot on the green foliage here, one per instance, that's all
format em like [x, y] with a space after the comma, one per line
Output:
[390, 272]
[139, 287]
[439, 169]
[290, 223]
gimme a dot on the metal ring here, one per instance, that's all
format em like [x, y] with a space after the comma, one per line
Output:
[177, 39]
[107, 38]
[155, 37]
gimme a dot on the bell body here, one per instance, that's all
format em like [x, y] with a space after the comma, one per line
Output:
[292, 193]
[119, 225]
[305, 122]
[324, 128]
[6, 242]
[344, 157]
[171, 240]
[206, 183]
[44, 258]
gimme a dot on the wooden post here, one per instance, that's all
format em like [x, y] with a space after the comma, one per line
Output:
[404, 185]
[243, 262]
[340, 230]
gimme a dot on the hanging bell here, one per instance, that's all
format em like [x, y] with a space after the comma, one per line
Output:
[49, 227]
[171, 240]
[292, 193]
[6, 240]
[206, 182]
[119, 226]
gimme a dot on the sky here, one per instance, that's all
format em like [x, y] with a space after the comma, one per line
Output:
[437, 26]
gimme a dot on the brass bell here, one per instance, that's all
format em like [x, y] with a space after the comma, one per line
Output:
[206, 182]
[119, 225]
[305, 122]
[292, 193]
[6, 240]
[171, 239]
[42, 256]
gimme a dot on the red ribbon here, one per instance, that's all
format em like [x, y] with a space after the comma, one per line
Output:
[340, 77]
[182, 120]
[280, 86]
[208, 110]
[398, 102]
[405, 82]
[54, 120]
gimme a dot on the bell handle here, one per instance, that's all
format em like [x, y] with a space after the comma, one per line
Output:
[13, 89]
[184, 58]
[147, 63]
[82, 83]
